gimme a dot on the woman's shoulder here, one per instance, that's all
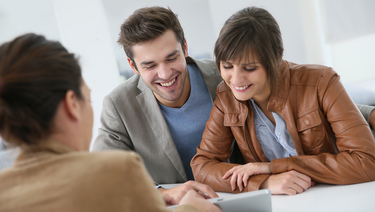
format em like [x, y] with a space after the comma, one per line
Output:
[106, 160]
[309, 73]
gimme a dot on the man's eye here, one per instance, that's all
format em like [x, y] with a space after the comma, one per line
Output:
[150, 67]
[172, 59]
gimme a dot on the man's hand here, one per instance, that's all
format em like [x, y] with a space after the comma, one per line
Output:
[241, 173]
[169, 200]
[291, 183]
[179, 191]
[196, 200]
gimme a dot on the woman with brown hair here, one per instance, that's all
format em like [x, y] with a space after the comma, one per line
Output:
[294, 124]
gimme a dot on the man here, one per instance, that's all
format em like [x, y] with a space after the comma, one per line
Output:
[161, 111]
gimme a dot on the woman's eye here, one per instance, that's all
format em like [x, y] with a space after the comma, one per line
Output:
[251, 69]
[227, 66]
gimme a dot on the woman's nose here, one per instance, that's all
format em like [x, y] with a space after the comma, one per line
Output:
[237, 76]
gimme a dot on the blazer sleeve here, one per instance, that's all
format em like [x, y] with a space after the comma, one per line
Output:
[112, 134]
[355, 160]
[366, 111]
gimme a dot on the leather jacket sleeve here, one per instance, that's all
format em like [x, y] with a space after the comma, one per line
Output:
[355, 160]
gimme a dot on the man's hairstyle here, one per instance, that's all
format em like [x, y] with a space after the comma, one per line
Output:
[147, 24]
[251, 31]
[35, 75]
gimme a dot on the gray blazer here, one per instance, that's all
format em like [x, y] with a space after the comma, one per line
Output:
[132, 120]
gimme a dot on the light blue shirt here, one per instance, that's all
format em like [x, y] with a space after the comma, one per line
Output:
[186, 124]
[275, 140]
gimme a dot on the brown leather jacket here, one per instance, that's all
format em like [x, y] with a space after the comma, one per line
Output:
[333, 141]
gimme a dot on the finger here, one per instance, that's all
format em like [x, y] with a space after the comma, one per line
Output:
[303, 177]
[233, 181]
[297, 188]
[169, 200]
[299, 185]
[304, 181]
[228, 174]
[204, 195]
[245, 179]
[239, 182]
[290, 191]
[204, 190]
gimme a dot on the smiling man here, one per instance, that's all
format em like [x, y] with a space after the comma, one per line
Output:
[162, 110]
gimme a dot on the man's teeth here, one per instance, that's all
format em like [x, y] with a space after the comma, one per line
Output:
[241, 88]
[168, 83]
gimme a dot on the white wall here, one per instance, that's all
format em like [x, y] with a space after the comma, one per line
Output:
[22, 16]
[84, 30]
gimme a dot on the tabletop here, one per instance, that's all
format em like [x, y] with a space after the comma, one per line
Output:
[323, 197]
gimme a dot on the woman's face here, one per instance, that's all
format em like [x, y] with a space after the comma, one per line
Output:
[246, 78]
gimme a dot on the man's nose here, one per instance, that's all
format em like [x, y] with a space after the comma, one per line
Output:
[164, 71]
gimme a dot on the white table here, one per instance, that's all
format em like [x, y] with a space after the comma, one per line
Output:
[357, 197]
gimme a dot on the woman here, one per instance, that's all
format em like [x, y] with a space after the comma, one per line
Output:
[294, 124]
[45, 109]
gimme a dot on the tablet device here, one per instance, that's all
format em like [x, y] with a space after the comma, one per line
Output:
[248, 201]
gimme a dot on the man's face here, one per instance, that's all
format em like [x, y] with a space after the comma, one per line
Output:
[162, 65]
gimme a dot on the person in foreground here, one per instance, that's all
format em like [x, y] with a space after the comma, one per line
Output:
[295, 125]
[160, 112]
[46, 111]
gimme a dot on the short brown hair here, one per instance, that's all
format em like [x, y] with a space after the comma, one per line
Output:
[251, 30]
[146, 24]
[35, 75]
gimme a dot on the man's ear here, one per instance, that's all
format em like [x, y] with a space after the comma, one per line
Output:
[71, 102]
[186, 49]
[133, 66]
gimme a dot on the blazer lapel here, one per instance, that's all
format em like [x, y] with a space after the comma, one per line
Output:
[155, 119]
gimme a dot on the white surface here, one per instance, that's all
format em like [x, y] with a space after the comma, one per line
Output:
[84, 31]
[357, 197]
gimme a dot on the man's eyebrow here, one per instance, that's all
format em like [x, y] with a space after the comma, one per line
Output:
[145, 63]
[173, 53]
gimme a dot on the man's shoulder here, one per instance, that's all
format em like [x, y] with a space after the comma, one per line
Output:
[125, 90]
[129, 85]
[205, 65]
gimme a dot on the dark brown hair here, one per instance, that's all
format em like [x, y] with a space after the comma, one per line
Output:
[251, 30]
[35, 75]
[147, 24]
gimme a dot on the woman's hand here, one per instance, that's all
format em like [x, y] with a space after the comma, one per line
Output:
[290, 183]
[240, 174]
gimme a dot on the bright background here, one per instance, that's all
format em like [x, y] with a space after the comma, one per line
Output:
[337, 33]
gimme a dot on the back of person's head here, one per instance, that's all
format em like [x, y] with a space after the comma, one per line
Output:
[251, 31]
[147, 24]
[35, 74]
